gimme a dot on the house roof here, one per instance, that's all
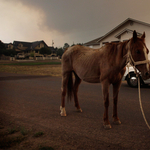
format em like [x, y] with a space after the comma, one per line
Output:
[129, 19]
[36, 43]
[93, 42]
[126, 30]
[27, 45]
[97, 41]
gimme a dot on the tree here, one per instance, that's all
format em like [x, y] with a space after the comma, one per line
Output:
[60, 52]
[77, 44]
[73, 45]
[66, 45]
[45, 51]
[10, 52]
[2, 48]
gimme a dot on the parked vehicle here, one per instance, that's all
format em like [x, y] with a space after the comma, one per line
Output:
[131, 78]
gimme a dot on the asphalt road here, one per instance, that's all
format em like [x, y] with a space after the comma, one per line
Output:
[35, 100]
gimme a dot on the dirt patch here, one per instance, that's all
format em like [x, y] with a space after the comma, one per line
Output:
[14, 135]
[50, 70]
[21, 134]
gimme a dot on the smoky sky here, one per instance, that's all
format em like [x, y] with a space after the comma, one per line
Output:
[79, 15]
[84, 20]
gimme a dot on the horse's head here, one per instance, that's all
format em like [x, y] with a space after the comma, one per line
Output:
[138, 54]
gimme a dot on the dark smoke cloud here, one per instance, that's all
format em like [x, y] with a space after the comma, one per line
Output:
[66, 16]
[84, 20]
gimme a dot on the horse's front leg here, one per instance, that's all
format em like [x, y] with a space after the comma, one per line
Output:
[105, 88]
[116, 88]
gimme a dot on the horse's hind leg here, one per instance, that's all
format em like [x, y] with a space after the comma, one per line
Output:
[65, 79]
[75, 91]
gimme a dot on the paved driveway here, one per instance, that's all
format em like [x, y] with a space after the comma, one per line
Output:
[35, 100]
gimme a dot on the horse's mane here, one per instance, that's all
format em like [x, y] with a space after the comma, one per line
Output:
[112, 47]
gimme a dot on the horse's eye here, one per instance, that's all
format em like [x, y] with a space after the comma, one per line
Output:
[138, 51]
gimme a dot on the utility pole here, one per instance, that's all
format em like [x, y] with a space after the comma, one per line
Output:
[52, 43]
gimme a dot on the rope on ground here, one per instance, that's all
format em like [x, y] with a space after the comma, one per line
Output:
[141, 102]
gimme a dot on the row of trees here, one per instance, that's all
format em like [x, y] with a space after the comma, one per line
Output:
[3, 51]
[48, 51]
[58, 51]
[44, 51]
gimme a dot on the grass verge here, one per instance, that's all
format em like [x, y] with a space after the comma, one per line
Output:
[22, 138]
[44, 70]
[32, 63]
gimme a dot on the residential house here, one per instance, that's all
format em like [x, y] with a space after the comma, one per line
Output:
[29, 47]
[122, 32]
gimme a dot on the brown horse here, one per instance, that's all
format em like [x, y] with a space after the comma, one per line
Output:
[106, 66]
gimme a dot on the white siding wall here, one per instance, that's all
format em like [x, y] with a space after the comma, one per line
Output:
[95, 46]
[125, 36]
[135, 26]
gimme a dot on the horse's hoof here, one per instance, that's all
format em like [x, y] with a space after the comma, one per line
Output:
[118, 122]
[63, 114]
[107, 126]
[79, 110]
[63, 111]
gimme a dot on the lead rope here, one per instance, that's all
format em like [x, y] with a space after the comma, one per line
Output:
[141, 102]
[133, 63]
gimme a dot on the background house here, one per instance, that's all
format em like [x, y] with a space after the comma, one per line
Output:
[37, 50]
[122, 32]
[29, 47]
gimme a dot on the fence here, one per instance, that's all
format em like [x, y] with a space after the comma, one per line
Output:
[6, 58]
[47, 58]
[30, 58]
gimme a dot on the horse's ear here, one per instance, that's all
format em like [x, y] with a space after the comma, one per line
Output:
[134, 36]
[143, 36]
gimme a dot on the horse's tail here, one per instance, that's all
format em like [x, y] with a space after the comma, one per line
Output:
[70, 87]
